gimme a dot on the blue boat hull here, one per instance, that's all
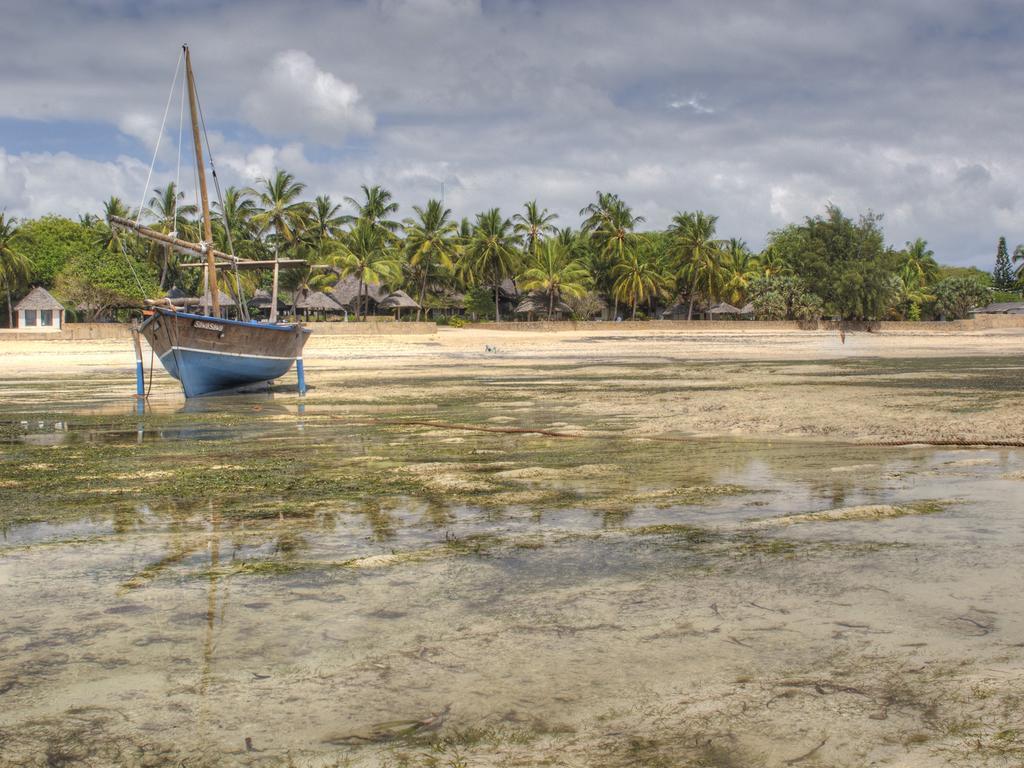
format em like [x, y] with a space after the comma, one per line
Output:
[210, 355]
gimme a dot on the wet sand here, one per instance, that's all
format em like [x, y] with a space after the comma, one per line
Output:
[378, 574]
[702, 382]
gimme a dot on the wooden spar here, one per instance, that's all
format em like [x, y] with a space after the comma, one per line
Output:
[183, 246]
[243, 264]
[207, 224]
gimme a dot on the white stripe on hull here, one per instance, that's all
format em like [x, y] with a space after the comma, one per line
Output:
[225, 354]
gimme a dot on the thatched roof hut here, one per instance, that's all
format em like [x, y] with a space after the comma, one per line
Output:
[262, 300]
[38, 298]
[536, 302]
[225, 300]
[39, 311]
[722, 308]
[399, 300]
[345, 290]
[1000, 308]
[316, 301]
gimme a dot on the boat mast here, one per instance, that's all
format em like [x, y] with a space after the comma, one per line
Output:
[211, 263]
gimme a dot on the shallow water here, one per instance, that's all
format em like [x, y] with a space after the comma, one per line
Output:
[264, 580]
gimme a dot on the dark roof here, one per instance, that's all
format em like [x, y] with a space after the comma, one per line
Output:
[508, 289]
[399, 300]
[537, 301]
[1001, 308]
[225, 300]
[724, 308]
[38, 298]
[318, 301]
[262, 299]
[176, 293]
[345, 290]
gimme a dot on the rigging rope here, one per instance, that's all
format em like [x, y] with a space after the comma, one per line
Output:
[156, 150]
[177, 173]
[239, 294]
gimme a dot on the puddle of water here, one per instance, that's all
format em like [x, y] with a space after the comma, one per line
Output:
[262, 581]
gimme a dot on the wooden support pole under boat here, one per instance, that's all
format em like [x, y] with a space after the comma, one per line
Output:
[300, 371]
[204, 198]
[140, 379]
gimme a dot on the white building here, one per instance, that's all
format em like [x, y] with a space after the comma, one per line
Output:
[39, 312]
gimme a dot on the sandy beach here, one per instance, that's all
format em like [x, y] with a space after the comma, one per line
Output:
[600, 547]
[863, 386]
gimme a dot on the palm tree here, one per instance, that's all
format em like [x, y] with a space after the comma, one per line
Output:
[639, 276]
[108, 238]
[172, 218]
[771, 263]
[610, 223]
[366, 252]
[236, 216]
[430, 243]
[534, 226]
[376, 206]
[740, 266]
[698, 255]
[15, 268]
[553, 271]
[918, 267]
[279, 208]
[492, 251]
[325, 222]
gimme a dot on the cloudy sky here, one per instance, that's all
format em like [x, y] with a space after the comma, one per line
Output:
[760, 111]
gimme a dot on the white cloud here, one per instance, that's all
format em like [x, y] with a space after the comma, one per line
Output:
[430, 9]
[760, 114]
[140, 126]
[296, 98]
[693, 103]
[66, 184]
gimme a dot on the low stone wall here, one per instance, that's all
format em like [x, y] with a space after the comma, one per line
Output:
[371, 328]
[86, 331]
[71, 332]
[983, 323]
[639, 325]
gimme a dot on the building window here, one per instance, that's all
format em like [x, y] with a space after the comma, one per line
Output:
[46, 317]
[30, 318]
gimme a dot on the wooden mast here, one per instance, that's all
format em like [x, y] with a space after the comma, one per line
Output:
[211, 263]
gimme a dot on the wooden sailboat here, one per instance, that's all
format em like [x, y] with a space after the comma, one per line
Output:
[205, 352]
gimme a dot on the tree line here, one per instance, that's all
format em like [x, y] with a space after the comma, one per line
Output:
[829, 265]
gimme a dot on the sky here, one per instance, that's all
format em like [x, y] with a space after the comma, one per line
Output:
[759, 111]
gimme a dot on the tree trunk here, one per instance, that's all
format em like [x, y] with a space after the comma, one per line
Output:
[423, 292]
[163, 268]
[689, 312]
[10, 309]
[633, 317]
[615, 308]
[359, 300]
[497, 301]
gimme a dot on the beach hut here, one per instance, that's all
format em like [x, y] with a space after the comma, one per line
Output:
[261, 301]
[40, 312]
[1000, 308]
[226, 302]
[316, 302]
[536, 303]
[346, 289]
[179, 298]
[398, 301]
[723, 309]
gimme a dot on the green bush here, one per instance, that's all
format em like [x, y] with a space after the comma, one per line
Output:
[456, 322]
